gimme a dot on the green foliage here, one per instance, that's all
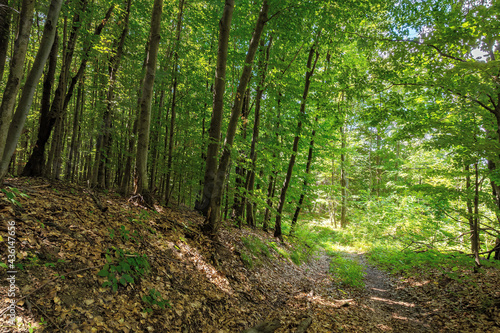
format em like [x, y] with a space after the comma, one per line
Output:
[255, 246]
[125, 268]
[155, 298]
[247, 260]
[409, 262]
[348, 271]
[124, 234]
[12, 193]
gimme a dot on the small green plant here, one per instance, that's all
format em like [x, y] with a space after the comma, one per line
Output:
[282, 252]
[348, 271]
[125, 234]
[11, 193]
[247, 260]
[125, 269]
[153, 298]
[256, 246]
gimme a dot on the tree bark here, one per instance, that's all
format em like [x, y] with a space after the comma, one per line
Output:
[70, 170]
[304, 187]
[343, 180]
[255, 135]
[103, 152]
[214, 131]
[175, 74]
[35, 164]
[15, 76]
[212, 223]
[5, 17]
[145, 104]
[32, 79]
[313, 53]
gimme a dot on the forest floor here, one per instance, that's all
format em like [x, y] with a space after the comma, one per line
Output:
[95, 262]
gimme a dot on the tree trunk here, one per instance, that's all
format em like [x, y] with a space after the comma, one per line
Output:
[212, 224]
[145, 104]
[5, 15]
[70, 169]
[48, 117]
[214, 131]
[32, 79]
[473, 211]
[343, 180]
[175, 74]
[240, 170]
[16, 72]
[255, 135]
[103, 152]
[304, 187]
[313, 53]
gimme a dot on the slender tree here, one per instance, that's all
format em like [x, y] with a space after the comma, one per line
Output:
[15, 75]
[32, 79]
[145, 103]
[311, 65]
[212, 224]
[5, 16]
[214, 131]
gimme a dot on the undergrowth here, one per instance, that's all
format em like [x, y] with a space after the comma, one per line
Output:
[347, 271]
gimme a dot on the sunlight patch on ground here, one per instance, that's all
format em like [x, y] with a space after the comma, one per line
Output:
[389, 301]
[192, 255]
[322, 301]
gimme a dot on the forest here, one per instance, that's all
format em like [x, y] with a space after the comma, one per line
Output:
[352, 144]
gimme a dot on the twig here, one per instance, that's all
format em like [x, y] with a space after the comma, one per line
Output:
[49, 318]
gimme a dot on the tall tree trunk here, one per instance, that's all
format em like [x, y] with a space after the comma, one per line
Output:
[103, 152]
[240, 170]
[473, 211]
[15, 75]
[212, 224]
[175, 74]
[264, 59]
[75, 134]
[343, 180]
[311, 65]
[214, 131]
[304, 187]
[272, 178]
[145, 104]
[5, 17]
[32, 79]
[34, 166]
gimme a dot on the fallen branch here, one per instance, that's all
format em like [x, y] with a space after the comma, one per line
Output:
[97, 201]
[46, 316]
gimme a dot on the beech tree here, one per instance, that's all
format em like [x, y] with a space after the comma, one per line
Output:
[145, 103]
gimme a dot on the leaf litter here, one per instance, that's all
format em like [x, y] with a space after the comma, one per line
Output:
[63, 240]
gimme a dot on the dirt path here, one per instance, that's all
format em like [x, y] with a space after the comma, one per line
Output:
[382, 306]
[392, 306]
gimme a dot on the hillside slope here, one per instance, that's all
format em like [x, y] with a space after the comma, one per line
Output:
[89, 262]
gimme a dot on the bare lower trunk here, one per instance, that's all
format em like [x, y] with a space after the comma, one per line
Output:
[32, 79]
[145, 104]
[214, 131]
[16, 71]
[311, 65]
[213, 223]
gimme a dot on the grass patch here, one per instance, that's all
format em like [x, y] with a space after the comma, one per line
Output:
[347, 271]
[256, 246]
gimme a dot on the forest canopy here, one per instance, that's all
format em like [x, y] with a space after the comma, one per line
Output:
[380, 114]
